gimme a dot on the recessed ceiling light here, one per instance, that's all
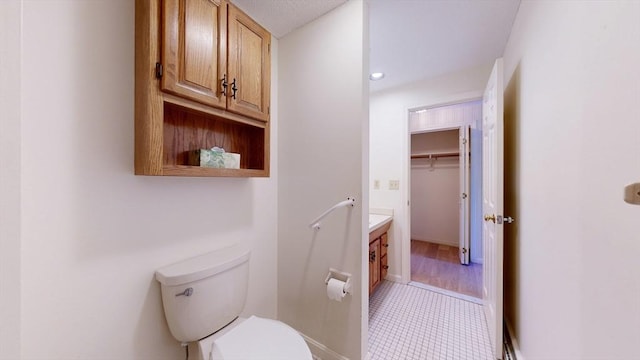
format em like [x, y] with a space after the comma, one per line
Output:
[376, 76]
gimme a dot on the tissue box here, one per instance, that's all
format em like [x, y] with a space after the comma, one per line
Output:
[214, 159]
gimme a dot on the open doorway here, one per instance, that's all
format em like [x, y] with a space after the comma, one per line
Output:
[445, 181]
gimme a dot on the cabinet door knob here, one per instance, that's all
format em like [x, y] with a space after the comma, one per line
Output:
[385, 267]
[385, 245]
[372, 256]
[224, 84]
[234, 88]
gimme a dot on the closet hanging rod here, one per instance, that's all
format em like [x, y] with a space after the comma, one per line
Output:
[315, 224]
[435, 155]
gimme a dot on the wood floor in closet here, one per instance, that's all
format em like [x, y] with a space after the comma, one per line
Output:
[439, 265]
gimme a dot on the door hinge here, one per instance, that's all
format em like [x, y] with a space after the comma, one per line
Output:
[158, 70]
[464, 140]
[464, 195]
[464, 250]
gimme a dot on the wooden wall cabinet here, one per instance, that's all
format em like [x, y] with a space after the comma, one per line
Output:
[202, 80]
[378, 264]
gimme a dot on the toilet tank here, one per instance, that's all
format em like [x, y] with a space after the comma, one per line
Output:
[202, 294]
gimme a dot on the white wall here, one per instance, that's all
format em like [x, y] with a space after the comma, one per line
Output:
[92, 233]
[389, 134]
[10, 21]
[323, 114]
[572, 284]
[434, 204]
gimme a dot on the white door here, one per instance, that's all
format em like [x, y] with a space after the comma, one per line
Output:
[464, 194]
[492, 204]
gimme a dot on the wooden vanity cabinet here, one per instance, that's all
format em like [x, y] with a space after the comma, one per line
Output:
[378, 263]
[202, 79]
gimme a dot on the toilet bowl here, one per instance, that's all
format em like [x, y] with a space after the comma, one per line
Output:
[255, 338]
[202, 299]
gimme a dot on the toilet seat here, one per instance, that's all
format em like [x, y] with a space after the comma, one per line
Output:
[259, 338]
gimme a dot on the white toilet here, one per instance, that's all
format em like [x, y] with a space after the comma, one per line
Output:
[203, 297]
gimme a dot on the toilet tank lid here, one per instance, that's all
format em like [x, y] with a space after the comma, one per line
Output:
[203, 266]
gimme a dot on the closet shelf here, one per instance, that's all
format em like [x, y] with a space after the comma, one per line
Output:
[435, 155]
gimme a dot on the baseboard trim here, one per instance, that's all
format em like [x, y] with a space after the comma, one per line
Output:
[394, 278]
[439, 242]
[512, 348]
[320, 351]
[446, 292]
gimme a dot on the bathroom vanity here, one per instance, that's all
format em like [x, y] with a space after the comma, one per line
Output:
[378, 244]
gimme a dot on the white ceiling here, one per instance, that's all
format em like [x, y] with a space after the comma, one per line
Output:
[283, 16]
[410, 40]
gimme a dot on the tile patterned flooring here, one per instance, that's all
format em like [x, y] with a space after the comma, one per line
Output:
[411, 323]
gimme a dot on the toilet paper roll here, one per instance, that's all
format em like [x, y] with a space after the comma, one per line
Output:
[335, 289]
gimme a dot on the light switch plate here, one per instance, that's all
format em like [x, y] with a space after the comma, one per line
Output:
[394, 184]
[632, 194]
[376, 184]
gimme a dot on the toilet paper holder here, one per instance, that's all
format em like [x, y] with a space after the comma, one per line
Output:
[339, 275]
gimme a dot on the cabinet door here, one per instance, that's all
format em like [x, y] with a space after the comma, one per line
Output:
[384, 267]
[374, 264]
[194, 49]
[249, 66]
[384, 244]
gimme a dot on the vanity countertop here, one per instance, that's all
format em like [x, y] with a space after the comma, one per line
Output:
[377, 220]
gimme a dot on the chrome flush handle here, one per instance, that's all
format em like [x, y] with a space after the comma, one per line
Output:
[186, 292]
